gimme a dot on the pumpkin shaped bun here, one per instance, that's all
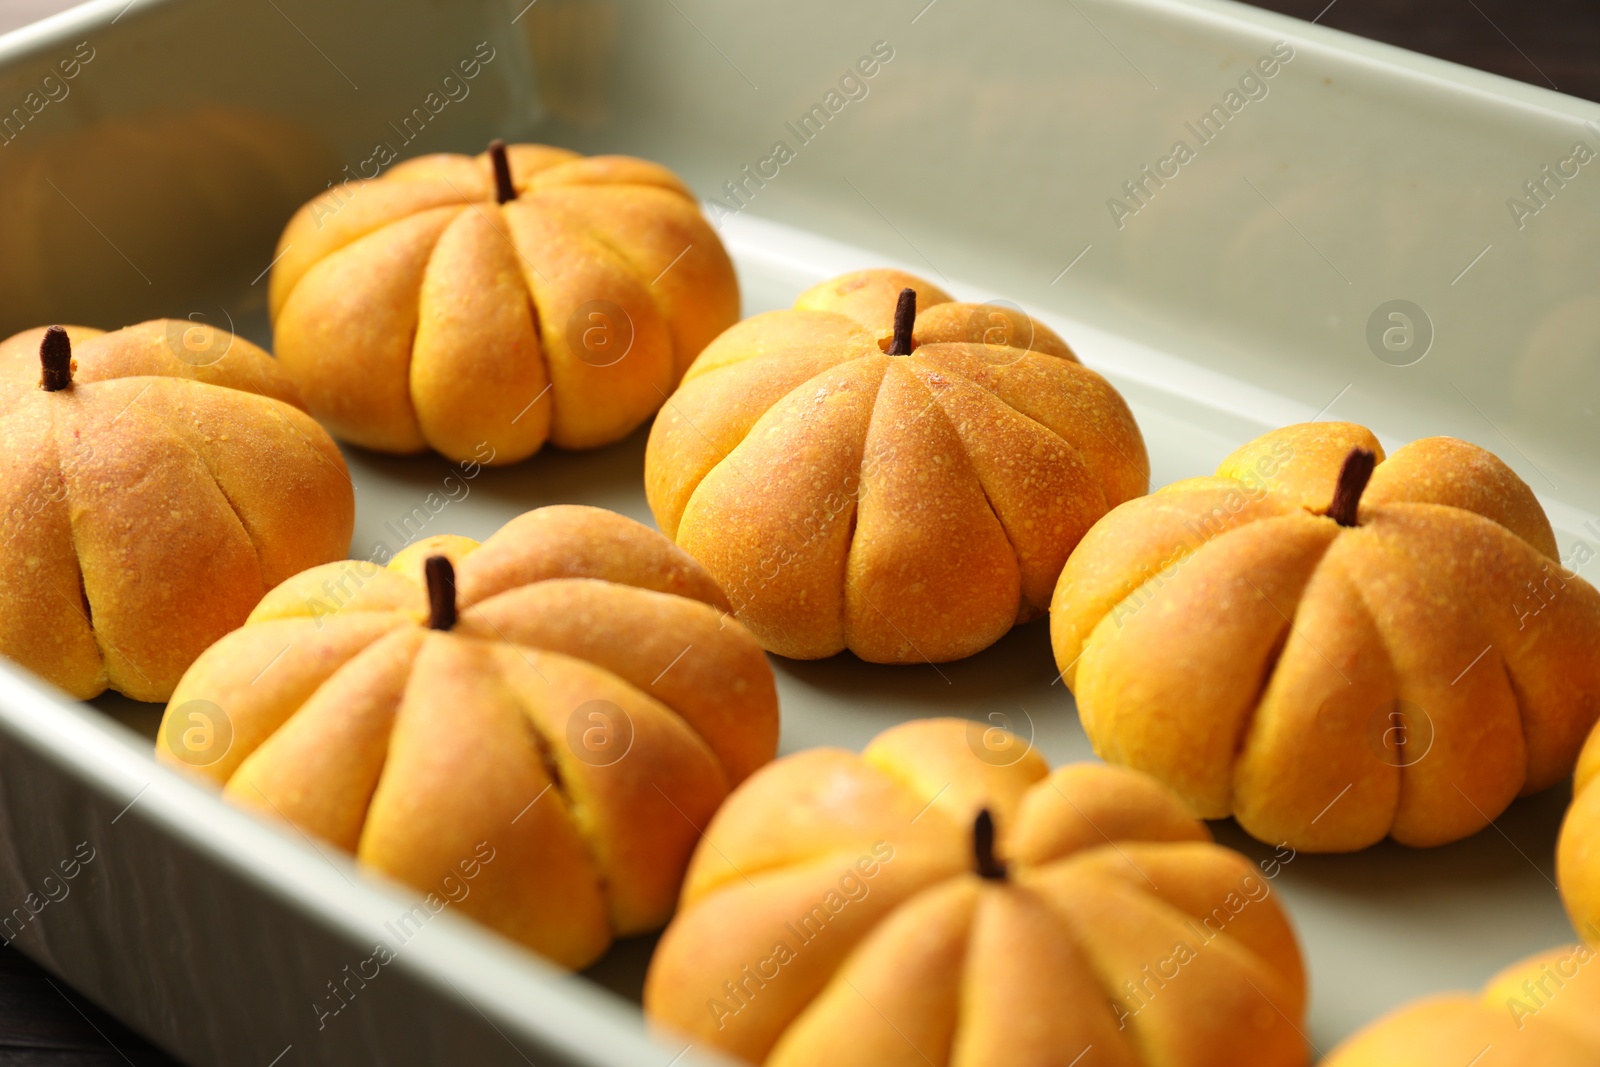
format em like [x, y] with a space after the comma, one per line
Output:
[525, 294]
[1331, 646]
[943, 898]
[1578, 853]
[884, 470]
[569, 697]
[1541, 1012]
[155, 481]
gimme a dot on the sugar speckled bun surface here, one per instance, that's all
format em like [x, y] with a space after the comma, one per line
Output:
[1408, 673]
[909, 508]
[579, 718]
[847, 910]
[149, 504]
[416, 311]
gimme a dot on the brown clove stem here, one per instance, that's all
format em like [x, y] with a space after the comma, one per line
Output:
[1353, 477]
[503, 189]
[55, 360]
[988, 866]
[905, 315]
[441, 579]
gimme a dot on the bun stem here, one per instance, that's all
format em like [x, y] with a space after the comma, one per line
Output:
[441, 579]
[503, 189]
[55, 360]
[1353, 478]
[988, 866]
[905, 316]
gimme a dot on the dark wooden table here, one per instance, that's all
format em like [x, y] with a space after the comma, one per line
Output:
[1553, 43]
[43, 1023]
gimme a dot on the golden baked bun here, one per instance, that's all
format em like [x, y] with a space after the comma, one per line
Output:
[569, 696]
[1541, 1012]
[905, 489]
[1578, 852]
[1331, 665]
[944, 898]
[155, 481]
[525, 294]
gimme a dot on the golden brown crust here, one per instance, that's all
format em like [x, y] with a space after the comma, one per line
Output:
[649, 227]
[477, 367]
[44, 618]
[440, 802]
[929, 574]
[576, 541]
[317, 230]
[416, 312]
[160, 348]
[1443, 470]
[831, 916]
[688, 655]
[791, 594]
[582, 720]
[713, 411]
[996, 327]
[344, 587]
[1320, 645]
[607, 347]
[319, 768]
[1541, 1012]
[910, 509]
[1105, 803]
[1578, 851]
[929, 936]
[1314, 451]
[153, 500]
[608, 170]
[345, 333]
[868, 297]
[258, 686]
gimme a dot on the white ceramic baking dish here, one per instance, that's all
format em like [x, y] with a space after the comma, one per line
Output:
[1005, 150]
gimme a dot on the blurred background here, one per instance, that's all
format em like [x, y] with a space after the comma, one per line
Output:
[1552, 43]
